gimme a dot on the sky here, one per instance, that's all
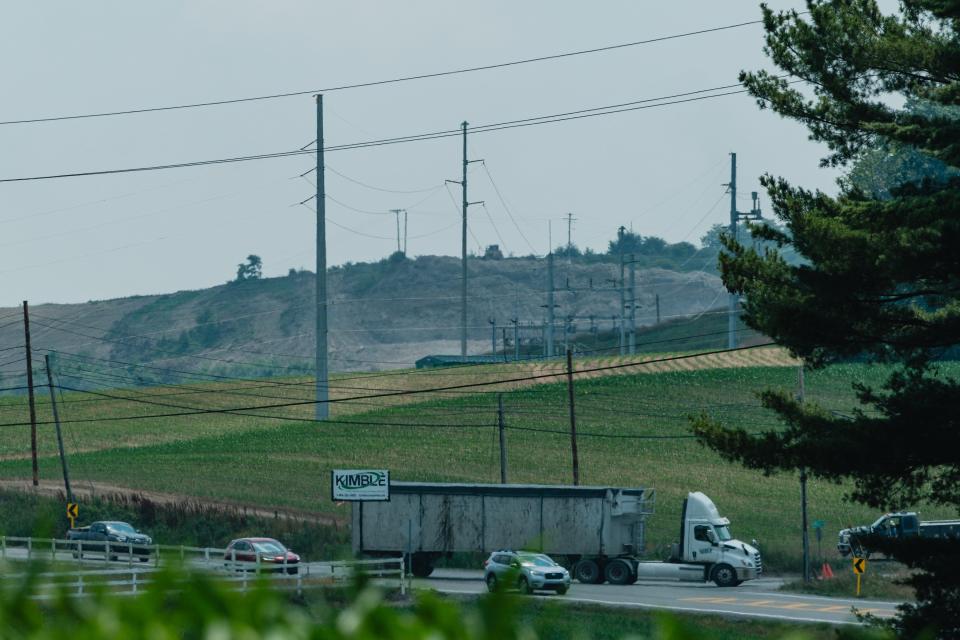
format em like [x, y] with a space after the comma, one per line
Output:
[659, 171]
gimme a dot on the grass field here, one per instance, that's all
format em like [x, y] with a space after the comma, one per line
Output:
[634, 431]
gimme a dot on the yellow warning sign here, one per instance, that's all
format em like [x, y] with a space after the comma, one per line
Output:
[73, 511]
[859, 565]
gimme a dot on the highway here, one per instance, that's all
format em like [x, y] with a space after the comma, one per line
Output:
[755, 599]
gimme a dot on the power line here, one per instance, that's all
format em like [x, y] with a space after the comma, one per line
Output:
[422, 76]
[469, 385]
[499, 126]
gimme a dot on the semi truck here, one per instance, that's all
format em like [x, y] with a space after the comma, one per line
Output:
[903, 524]
[599, 532]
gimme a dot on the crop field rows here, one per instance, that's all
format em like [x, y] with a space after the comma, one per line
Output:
[634, 431]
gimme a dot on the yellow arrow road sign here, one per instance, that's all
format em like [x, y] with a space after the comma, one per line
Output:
[859, 565]
[73, 510]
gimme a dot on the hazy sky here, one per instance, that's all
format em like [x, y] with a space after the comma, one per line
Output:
[659, 170]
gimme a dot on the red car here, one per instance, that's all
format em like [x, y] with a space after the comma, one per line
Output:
[273, 555]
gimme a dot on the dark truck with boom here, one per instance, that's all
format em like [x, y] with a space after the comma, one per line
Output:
[110, 539]
[903, 524]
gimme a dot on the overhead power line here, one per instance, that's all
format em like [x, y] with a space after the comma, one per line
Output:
[636, 105]
[388, 394]
[374, 83]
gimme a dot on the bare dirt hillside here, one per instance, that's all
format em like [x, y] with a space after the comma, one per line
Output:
[382, 315]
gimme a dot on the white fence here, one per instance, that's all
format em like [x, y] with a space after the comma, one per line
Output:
[100, 563]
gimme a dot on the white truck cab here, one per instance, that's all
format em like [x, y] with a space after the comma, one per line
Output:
[707, 549]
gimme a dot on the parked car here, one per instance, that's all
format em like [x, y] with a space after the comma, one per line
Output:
[111, 537]
[532, 572]
[243, 554]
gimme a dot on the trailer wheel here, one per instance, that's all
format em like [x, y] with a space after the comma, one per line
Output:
[618, 572]
[723, 575]
[588, 572]
[421, 565]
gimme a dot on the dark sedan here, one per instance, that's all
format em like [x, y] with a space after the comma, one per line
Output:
[244, 553]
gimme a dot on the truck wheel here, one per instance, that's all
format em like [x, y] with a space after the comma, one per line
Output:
[588, 572]
[724, 575]
[421, 565]
[618, 572]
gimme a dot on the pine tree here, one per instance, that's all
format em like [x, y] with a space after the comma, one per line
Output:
[880, 280]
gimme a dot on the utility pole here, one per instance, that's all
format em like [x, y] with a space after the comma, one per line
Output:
[516, 338]
[735, 217]
[322, 407]
[633, 306]
[622, 301]
[32, 402]
[503, 442]
[503, 330]
[570, 220]
[493, 335]
[550, 304]
[463, 243]
[801, 396]
[658, 308]
[573, 420]
[397, 213]
[56, 420]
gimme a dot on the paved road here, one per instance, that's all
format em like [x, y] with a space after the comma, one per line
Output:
[755, 599]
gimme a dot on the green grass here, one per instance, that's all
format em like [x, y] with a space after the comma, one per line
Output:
[282, 464]
[878, 583]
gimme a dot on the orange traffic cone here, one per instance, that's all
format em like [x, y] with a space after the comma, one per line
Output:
[826, 572]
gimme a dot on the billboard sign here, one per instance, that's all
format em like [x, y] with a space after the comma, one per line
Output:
[353, 485]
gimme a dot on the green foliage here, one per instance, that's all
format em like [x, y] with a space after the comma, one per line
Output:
[881, 277]
[195, 606]
[252, 269]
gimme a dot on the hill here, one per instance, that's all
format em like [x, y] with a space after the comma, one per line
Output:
[382, 315]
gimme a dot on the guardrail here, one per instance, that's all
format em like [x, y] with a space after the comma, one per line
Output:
[143, 560]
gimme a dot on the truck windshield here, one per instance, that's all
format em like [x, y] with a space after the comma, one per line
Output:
[120, 527]
[723, 532]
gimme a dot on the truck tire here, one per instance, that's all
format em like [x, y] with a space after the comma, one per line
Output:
[588, 572]
[723, 575]
[618, 572]
[421, 565]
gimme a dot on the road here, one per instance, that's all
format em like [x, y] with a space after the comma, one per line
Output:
[755, 599]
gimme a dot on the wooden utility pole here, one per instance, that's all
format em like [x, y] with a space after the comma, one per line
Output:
[573, 420]
[56, 420]
[801, 394]
[322, 372]
[503, 441]
[32, 402]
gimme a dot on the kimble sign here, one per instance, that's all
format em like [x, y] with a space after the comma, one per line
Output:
[360, 484]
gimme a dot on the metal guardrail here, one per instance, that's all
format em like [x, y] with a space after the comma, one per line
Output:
[140, 565]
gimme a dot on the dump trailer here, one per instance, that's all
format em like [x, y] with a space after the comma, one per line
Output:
[598, 531]
[903, 524]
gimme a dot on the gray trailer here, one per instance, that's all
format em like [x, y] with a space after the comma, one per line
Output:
[429, 520]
